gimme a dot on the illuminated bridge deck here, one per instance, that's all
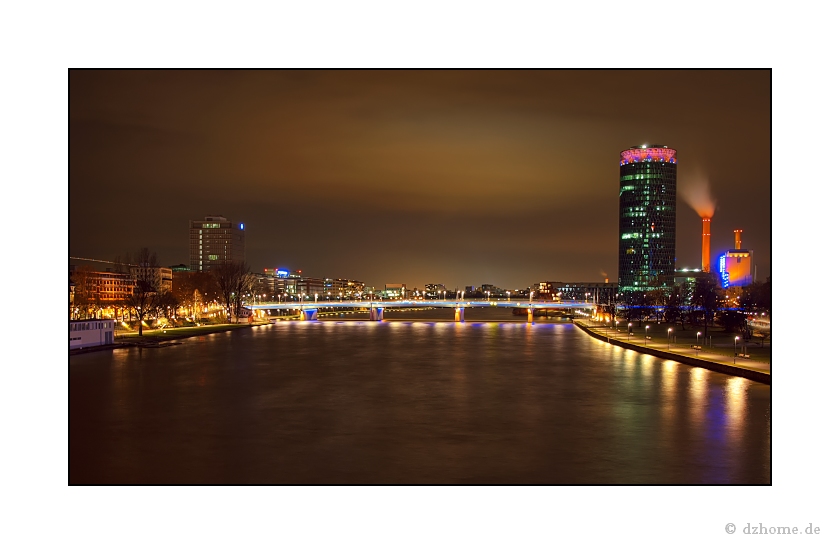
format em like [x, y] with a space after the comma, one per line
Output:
[419, 304]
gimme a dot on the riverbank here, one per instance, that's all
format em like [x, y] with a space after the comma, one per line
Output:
[685, 354]
[159, 338]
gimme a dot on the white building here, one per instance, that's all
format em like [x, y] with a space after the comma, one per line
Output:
[159, 277]
[91, 332]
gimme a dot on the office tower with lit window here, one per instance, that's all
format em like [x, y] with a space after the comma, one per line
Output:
[646, 221]
[214, 241]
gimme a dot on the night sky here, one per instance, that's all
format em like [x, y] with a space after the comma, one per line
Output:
[453, 177]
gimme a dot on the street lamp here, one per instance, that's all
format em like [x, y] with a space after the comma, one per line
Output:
[508, 293]
[488, 296]
[646, 332]
[698, 337]
[629, 325]
[735, 353]
[669, 338]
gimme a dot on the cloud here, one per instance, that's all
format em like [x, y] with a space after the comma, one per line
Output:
[696, 191]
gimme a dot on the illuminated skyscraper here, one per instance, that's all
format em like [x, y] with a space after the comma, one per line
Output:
[647, 220]
[215, 240]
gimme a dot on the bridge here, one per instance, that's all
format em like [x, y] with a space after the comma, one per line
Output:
[309, 310]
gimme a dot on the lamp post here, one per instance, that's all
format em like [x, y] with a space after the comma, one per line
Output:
[698, 337]
[735, 353]
[508, 293]
[629, 325]
[488, 296]
[669, 338]
[646, 332]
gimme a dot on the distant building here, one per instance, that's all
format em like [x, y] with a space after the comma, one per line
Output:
[310, 286]
[646, 219]
[159, 277]
[342, 288]
[97, 289]
[433, 290]
[214, 241]
[179, 268]
[394, 290]
[597, 292]
[736, 266]
[686, 275]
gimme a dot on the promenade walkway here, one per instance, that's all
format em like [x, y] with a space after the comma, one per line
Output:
[731, 365]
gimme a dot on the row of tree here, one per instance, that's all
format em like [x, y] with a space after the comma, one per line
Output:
[227, 284]
[704, 301]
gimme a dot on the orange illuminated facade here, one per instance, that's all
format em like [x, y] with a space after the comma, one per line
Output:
[736, 266]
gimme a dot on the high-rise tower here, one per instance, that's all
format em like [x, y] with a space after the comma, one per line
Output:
[647, 220]
[214, 241]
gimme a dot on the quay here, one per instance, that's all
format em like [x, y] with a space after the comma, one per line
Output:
[685, 354]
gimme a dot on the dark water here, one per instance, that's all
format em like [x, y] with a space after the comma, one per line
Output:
[342, 401]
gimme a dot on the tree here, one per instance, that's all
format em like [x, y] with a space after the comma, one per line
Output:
[763, 334]
[84, 296]
[733, 321]
[676, 301]
[193, 288]
[233, 280]
[166, 304]
[246, 282]
[705, 297]
[142, 301]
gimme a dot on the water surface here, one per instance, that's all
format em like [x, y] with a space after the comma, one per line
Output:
[347, 401]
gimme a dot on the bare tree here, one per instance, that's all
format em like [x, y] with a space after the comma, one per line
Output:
[245, 283]
[142, 301]
[234, 280]
[226, 276]
[194, 288]
[84, 296]
[706, 293]
[166, 304]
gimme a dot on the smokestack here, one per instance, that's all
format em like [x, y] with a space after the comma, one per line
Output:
[706, 248]
[738, 238]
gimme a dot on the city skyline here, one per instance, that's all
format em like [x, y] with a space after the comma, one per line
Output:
[464, 178]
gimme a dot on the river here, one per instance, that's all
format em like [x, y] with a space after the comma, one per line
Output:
[344, 400]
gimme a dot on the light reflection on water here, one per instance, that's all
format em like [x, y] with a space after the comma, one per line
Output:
[410, 402]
